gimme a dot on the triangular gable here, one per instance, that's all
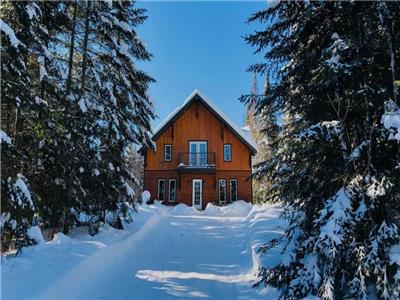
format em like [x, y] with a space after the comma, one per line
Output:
[196, 95]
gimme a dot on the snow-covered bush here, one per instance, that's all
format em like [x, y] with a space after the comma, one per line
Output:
[146, 197]
[35, 234]
[17, 211]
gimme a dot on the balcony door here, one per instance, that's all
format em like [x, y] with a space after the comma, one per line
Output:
[197, 193]
[198, 154]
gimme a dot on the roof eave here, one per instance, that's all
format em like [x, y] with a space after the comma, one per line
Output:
[196, 96]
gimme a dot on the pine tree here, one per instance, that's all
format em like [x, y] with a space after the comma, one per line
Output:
[19, 109]
[70, 122]
[256, 123]
[116, 100]
[333, 166]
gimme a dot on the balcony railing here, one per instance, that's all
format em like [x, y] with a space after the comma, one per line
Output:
[196, 160]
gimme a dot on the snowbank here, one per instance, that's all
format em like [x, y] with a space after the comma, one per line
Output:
[183, 209]
[60, 238]
[238, 208]
[166, 252]
[35, 234]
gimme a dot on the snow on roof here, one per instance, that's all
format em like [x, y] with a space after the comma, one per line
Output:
[165, 121]
[242, 132]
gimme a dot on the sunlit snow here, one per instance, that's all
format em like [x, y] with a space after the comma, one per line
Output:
[165, 253]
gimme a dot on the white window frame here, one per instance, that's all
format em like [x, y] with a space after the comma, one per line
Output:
[219, 190]
[158, 189]
[230, 152]
[200, 205]
[197, 158]
[230, 189]
[169, 190]
[165, 152]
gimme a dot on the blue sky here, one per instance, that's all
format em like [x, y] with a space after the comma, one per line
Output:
[199, 45]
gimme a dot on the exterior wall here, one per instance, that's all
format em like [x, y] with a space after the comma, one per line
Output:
[210, 185]
[199, 124]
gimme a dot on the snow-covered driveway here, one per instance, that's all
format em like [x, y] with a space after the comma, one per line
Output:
[166, 253]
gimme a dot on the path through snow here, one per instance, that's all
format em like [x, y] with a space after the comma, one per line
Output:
[166, 253]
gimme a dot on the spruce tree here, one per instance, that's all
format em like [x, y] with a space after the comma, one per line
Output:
[256, 122]
[73, 102]
[116, 99]
[19, 111]
[335, 167]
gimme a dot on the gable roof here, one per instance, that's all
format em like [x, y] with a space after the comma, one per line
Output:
[196, 95]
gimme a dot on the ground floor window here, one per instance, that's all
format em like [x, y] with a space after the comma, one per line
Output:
[172, 190]
[233, 189]
[222, 190]
[161, 189]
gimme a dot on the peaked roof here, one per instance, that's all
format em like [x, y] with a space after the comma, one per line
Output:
[196, 95]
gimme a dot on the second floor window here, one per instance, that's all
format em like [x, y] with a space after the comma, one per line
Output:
[168, 152]
[227, 152]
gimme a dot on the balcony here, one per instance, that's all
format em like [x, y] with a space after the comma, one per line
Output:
[201, 162]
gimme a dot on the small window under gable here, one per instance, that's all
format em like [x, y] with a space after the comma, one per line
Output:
[167, 152]
[227, 152]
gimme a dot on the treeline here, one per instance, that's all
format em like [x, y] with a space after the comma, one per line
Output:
[332, 122]
[73, 104]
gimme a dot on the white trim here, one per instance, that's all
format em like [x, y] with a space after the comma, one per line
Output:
[243, 133]
[230, 153]
[230, 190]
[199, 206]
[169, 189]
[198, 158]
[219, 190]
[158, 189]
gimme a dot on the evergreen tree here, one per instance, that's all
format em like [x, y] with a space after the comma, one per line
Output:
[334, 67]
[20, 109]
[256, 121]
[73, 103]
[116, 99]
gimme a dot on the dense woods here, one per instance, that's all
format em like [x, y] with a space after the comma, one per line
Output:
[73, 106]
[333, 125]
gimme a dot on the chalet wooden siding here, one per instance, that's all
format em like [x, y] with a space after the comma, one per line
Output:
[199, 123]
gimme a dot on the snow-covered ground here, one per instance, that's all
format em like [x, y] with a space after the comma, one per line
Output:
[166, 253]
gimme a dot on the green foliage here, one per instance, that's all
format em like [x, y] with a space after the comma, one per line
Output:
[73, 101]
[332, 164]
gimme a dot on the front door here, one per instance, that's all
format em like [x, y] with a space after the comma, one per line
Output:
[198, 154]
[197, 193]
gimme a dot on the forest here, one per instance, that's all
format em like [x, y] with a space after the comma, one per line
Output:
[75, 108]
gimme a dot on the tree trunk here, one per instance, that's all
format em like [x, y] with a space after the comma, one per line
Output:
[388, 22]
[18, 125]
[85, 43]
[71, 50]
